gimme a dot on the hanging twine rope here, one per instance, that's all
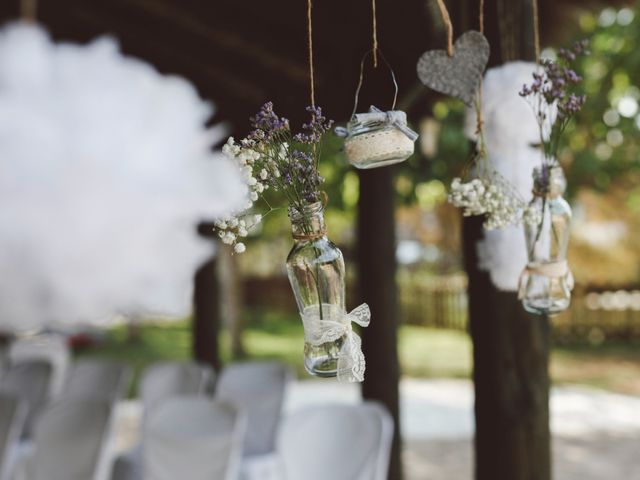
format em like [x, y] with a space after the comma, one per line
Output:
[479, 118]
[375, 34]
[29, 10]
[310, 42]
[448, 25]
[536, 29]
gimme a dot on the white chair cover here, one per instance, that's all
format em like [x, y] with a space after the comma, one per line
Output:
[193, 438]
[168, 379]
[341, 442]
[98, 379]
[29, 381]
[258, 388]
[49, 348]
[12, 416]
[127, 468]
[69, 439]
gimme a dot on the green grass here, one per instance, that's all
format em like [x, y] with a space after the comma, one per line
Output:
[424, 352]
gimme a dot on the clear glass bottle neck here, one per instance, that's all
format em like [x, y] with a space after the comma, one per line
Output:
[308, 224]
[549, 182]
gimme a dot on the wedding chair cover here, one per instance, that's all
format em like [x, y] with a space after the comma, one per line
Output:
[49, 348]
[98, 379]
[127, 467]
[29, 382]
[12, 416]
[341, 442]
[168, 379]
[69, 441]
[258, 388]
[193, 438]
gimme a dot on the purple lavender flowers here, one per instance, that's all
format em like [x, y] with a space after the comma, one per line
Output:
[271, 157]
[554, 98]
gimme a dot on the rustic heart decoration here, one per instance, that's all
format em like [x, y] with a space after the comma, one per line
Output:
[458, 75]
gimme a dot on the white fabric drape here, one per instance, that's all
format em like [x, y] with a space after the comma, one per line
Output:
[165, 380]
[29, 381]
[69, 439]
[48, 348]
[99, 379]
[193, 438]
[341, 442]
[12, 417]
[258, 388]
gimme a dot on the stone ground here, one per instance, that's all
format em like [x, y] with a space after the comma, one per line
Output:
[596, 457]
[596, 433]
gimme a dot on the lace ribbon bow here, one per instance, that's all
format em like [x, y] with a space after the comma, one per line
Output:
[549, 270]
[334, 324]
[376, 117]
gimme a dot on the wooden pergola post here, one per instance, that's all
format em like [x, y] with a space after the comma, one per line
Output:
[377, 287]
[510, 346]
[206, 309]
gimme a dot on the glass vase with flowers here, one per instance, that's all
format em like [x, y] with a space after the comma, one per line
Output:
[273, 158]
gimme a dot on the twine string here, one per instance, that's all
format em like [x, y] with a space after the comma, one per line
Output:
[375, 34]
[310, 42]
[479, 119]
[361, 79]
[536, 29]
[448, 25]
[29, 10]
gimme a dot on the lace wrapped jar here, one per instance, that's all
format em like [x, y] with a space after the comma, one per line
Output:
[377, 138]
[546, 282]
[315, 267]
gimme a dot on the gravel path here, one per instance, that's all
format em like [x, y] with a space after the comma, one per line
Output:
[597, 457]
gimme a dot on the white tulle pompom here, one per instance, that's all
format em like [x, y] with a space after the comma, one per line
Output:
[510, 129]
[106, 168]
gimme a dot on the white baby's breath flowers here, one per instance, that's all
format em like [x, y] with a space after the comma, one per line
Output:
[532, 216]
[487, 196]
[239, 225]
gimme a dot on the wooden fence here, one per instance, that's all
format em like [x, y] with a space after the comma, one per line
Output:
[440, 301]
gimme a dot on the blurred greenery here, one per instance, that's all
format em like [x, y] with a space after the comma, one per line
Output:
[424, 352]
[603, 144]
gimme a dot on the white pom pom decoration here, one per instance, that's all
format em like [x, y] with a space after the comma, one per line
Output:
[106, 168]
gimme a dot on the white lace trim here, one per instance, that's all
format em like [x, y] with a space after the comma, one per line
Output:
[334, 324]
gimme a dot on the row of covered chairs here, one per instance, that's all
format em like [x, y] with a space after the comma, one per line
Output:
[194, 425]
[201, 439]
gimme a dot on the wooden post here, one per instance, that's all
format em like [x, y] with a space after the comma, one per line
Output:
[206, 310]
[510, 347]
[230, 285]
[377, 287]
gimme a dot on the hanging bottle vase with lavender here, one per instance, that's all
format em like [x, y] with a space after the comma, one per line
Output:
[555, 97]
[274, 159]
[546, 282]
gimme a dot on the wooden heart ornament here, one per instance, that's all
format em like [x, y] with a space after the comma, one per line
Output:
[458, 75]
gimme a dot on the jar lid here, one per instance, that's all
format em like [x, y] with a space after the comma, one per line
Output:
[376, 119]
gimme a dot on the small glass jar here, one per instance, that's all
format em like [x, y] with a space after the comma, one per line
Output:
[547, 280]
[315, 267]
[378, 143]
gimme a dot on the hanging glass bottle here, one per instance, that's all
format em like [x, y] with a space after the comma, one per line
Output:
[315, 267]
[546, 282]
